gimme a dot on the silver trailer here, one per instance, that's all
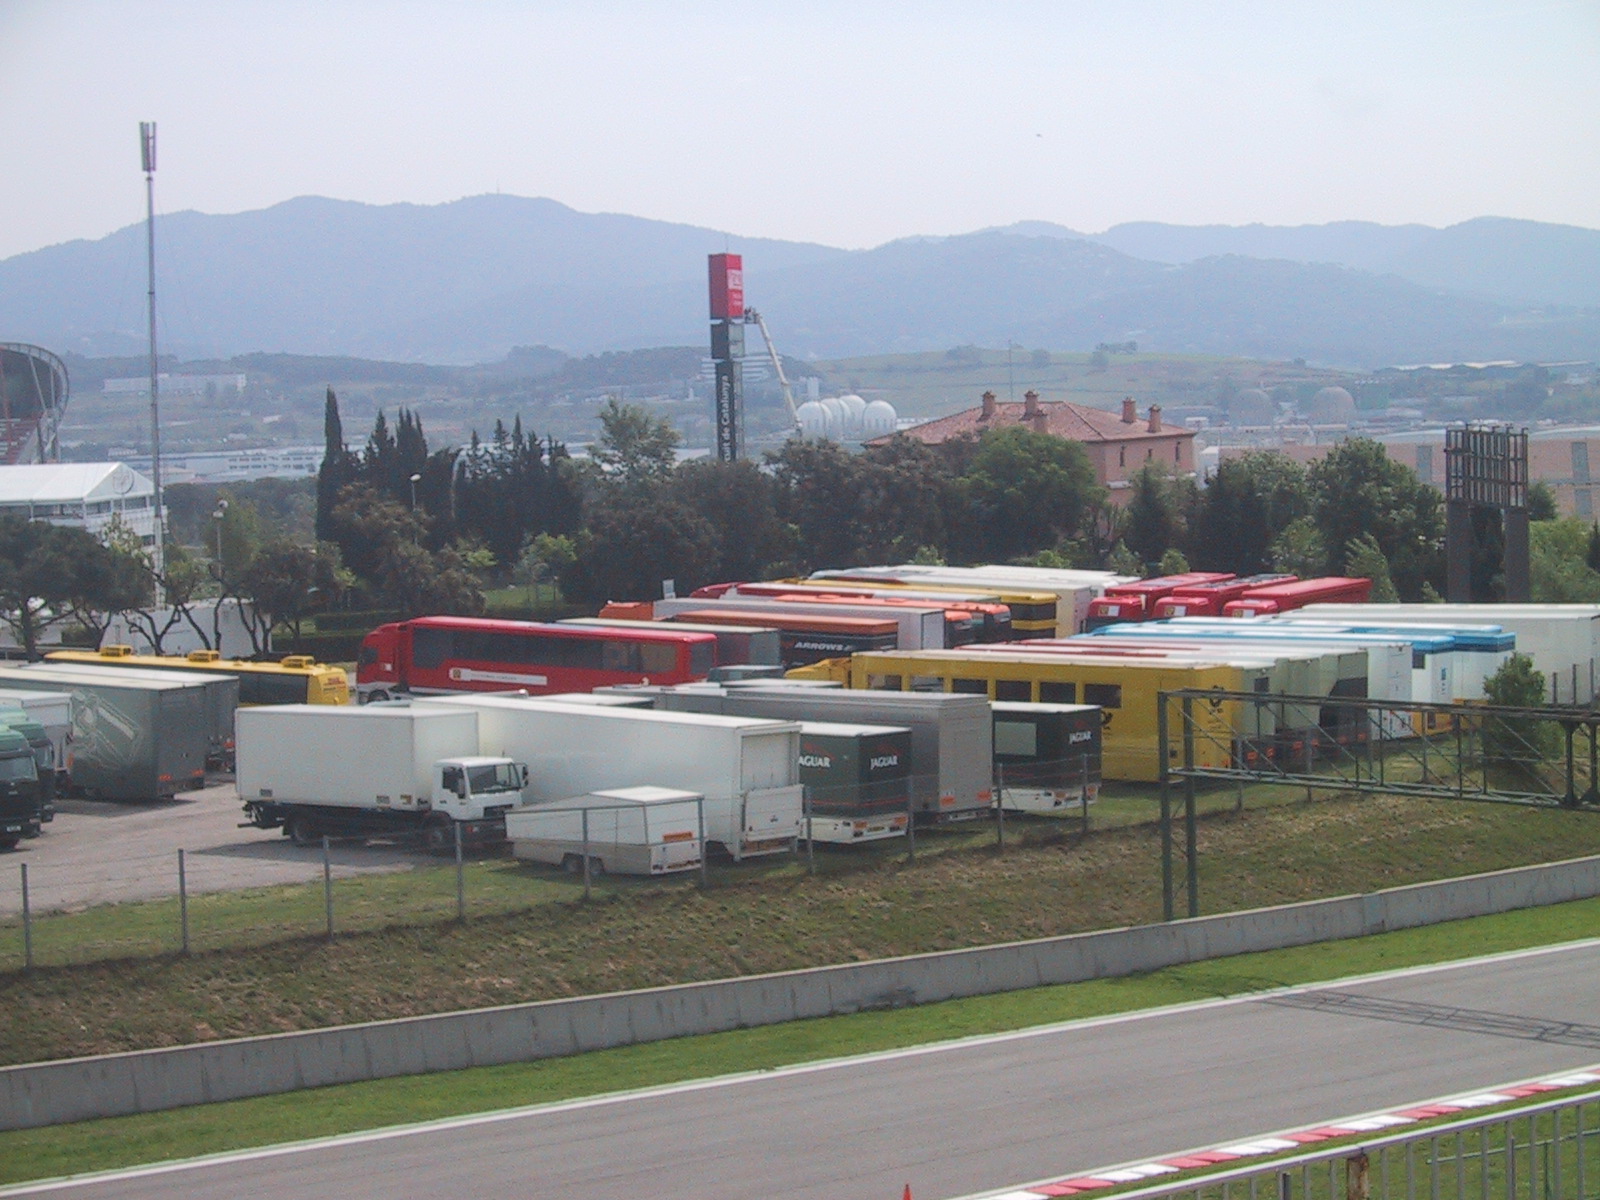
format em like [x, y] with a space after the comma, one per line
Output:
[624, 831]
[747, 770]
[132, 739]
[221, 692]
[952, 735]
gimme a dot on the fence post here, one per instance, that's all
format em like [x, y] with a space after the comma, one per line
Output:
[586, 852]
[811, 842]
[27, 923]
[183, 900]
[911, 821]
[999, 806]
[1358, 1176]
[461, 879]
[327, 885]
[700, 819]
[1191, 843]
[1162, 742]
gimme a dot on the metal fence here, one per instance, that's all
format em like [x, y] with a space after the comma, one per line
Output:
[1547, 1151]
[261, 889]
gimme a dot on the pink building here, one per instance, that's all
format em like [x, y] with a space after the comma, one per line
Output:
[1116, 446]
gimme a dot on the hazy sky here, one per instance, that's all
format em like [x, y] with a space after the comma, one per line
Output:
[844, 123]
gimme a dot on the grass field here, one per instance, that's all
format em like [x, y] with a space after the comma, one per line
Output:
[123, 1141]
[532, 938]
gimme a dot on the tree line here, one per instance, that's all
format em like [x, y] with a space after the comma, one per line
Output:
[403, 528]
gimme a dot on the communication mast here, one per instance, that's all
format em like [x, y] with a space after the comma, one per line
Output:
[147, 159]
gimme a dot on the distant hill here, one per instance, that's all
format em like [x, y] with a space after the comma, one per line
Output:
[466, 282]
[1519, 263]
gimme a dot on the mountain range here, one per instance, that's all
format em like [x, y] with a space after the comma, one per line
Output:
[469, 280]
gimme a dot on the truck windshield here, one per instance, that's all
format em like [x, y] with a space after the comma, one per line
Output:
[18, 767]
[502, 777]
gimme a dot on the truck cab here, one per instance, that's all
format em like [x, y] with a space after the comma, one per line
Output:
[19, 790]
[44, 757]
[476, 793]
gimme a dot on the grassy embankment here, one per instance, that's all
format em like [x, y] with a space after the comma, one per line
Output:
[126, 1141]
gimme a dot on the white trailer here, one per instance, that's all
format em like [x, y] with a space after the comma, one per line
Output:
[1562, 639]
[747, 770]
[375, 771]
[623, 831]
[918, 628]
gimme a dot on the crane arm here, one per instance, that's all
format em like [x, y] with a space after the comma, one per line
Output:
[777, 364]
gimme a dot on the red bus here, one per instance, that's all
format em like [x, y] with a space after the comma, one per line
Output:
[478, 654]
[1283, 597]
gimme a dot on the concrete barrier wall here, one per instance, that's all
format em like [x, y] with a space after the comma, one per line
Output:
[148, 1081]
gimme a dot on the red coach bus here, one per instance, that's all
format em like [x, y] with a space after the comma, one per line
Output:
[478, 654]
[1284, 597]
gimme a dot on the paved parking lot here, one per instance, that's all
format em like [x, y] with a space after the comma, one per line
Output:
[98, 853]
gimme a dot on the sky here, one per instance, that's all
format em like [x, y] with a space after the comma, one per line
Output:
[850, 124]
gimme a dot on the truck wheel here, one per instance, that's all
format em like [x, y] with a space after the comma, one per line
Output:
[597, 867]
[9, 843]
[572, 864]
[376, 697]
[301, 831]
[438, 835]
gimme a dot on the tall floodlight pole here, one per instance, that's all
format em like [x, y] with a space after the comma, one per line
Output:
[147, 157]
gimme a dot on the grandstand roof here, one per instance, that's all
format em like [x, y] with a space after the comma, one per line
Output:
[63, 483]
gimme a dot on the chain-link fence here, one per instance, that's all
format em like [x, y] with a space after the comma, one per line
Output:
[1548, 1151]
[259, 888]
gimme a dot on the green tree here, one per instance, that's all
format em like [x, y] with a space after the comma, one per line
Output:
[1518, 743]
[338, 469]
[1299, 549]
[1542, 502]
[739, 503]
[633, 445]
[1357, 489]
[818, 486]
[631, 545]
[1560, 571]
[52, 573]
[288, 582]
[1124, 561]
[1364, 559]
[1026, 492]
[1173, 563]
[1155, 513]
[1245, 507]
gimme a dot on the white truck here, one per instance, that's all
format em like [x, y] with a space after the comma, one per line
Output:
[624, 831]
[379, 771]
[747, 770]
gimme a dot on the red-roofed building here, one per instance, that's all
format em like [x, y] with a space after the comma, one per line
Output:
[1117, 446]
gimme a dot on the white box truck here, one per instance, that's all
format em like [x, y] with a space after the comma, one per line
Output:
[623, 831]
[377, 771]
[747, 770]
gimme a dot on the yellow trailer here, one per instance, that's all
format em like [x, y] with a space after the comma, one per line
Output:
[1125, 689]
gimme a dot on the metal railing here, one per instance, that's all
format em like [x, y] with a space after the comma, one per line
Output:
[1544, 1151]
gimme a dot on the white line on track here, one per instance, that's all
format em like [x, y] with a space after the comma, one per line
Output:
[746, 1077]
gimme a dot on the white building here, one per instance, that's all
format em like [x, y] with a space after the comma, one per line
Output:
[88, 495]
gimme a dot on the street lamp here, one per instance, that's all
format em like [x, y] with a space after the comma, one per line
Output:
[221, 512]
[414, 481]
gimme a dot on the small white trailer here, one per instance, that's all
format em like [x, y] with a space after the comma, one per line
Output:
[747, 769]
[380, 770]
[622, 831]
